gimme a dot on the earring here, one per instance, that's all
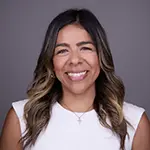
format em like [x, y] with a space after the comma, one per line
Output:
[52, 76]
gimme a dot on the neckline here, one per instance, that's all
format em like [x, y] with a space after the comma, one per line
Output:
[67, 110]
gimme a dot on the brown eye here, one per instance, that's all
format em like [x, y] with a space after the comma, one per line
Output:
[87, 48]
[62, 52]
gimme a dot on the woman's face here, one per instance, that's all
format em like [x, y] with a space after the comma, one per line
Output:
[75, 60]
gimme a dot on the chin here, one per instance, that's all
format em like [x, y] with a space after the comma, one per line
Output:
[78, 90]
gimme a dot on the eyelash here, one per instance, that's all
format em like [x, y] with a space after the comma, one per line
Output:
[65, 50]
[86, 48]
[62, 51]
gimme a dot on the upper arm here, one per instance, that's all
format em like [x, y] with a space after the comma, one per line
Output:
[11, 132]
[141, 139]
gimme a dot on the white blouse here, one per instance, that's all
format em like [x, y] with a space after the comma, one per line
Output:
[64, 132]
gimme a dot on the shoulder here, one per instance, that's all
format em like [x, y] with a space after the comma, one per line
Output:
[14, 124]
[131, 107]
[141, 139]
[20, 103]
[133, 113]
[11, 116]
[11, 125]
[140, 130]
[18, 107]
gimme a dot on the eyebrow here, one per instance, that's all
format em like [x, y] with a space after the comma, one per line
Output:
[84, 43]
[78, 44]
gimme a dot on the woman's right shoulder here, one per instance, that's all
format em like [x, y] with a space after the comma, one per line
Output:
[20, 103]
[13, 127]
[18, 107]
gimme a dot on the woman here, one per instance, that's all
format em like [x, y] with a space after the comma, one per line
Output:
[75, 102]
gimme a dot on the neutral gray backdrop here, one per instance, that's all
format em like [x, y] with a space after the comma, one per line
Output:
[23, 25]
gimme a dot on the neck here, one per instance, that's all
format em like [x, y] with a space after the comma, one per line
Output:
[78, 102]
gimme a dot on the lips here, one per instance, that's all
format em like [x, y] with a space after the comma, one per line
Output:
[77, 76]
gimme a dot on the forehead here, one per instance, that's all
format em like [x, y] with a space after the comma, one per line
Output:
[73, 33]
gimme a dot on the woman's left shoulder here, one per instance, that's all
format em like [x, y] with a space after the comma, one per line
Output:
[133, 113]
[137, 117]
[132, 107]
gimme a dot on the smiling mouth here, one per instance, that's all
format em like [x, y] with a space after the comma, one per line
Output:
[77, 76]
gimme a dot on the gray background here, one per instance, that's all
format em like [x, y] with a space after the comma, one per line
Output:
[22, 29]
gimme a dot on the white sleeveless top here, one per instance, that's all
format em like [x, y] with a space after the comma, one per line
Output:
[65, 133]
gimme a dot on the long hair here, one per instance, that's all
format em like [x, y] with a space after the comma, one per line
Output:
[45, 90]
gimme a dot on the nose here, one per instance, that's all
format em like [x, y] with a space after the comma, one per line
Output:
[75, 58]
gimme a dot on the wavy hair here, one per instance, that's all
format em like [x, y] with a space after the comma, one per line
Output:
[45, 90]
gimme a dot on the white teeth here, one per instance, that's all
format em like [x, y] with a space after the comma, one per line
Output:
[77, 74]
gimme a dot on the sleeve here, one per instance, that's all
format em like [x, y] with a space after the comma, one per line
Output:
[19, 110]
[132, 114]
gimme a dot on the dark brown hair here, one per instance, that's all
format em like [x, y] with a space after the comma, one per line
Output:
[44, 91]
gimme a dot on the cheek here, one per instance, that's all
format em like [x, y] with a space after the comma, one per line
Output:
[95, 65]
[58, 66]
[93, 61]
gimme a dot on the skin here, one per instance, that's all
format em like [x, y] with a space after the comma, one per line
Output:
[77, 95]
[141, 139]
[75, 54]
[11, 132]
